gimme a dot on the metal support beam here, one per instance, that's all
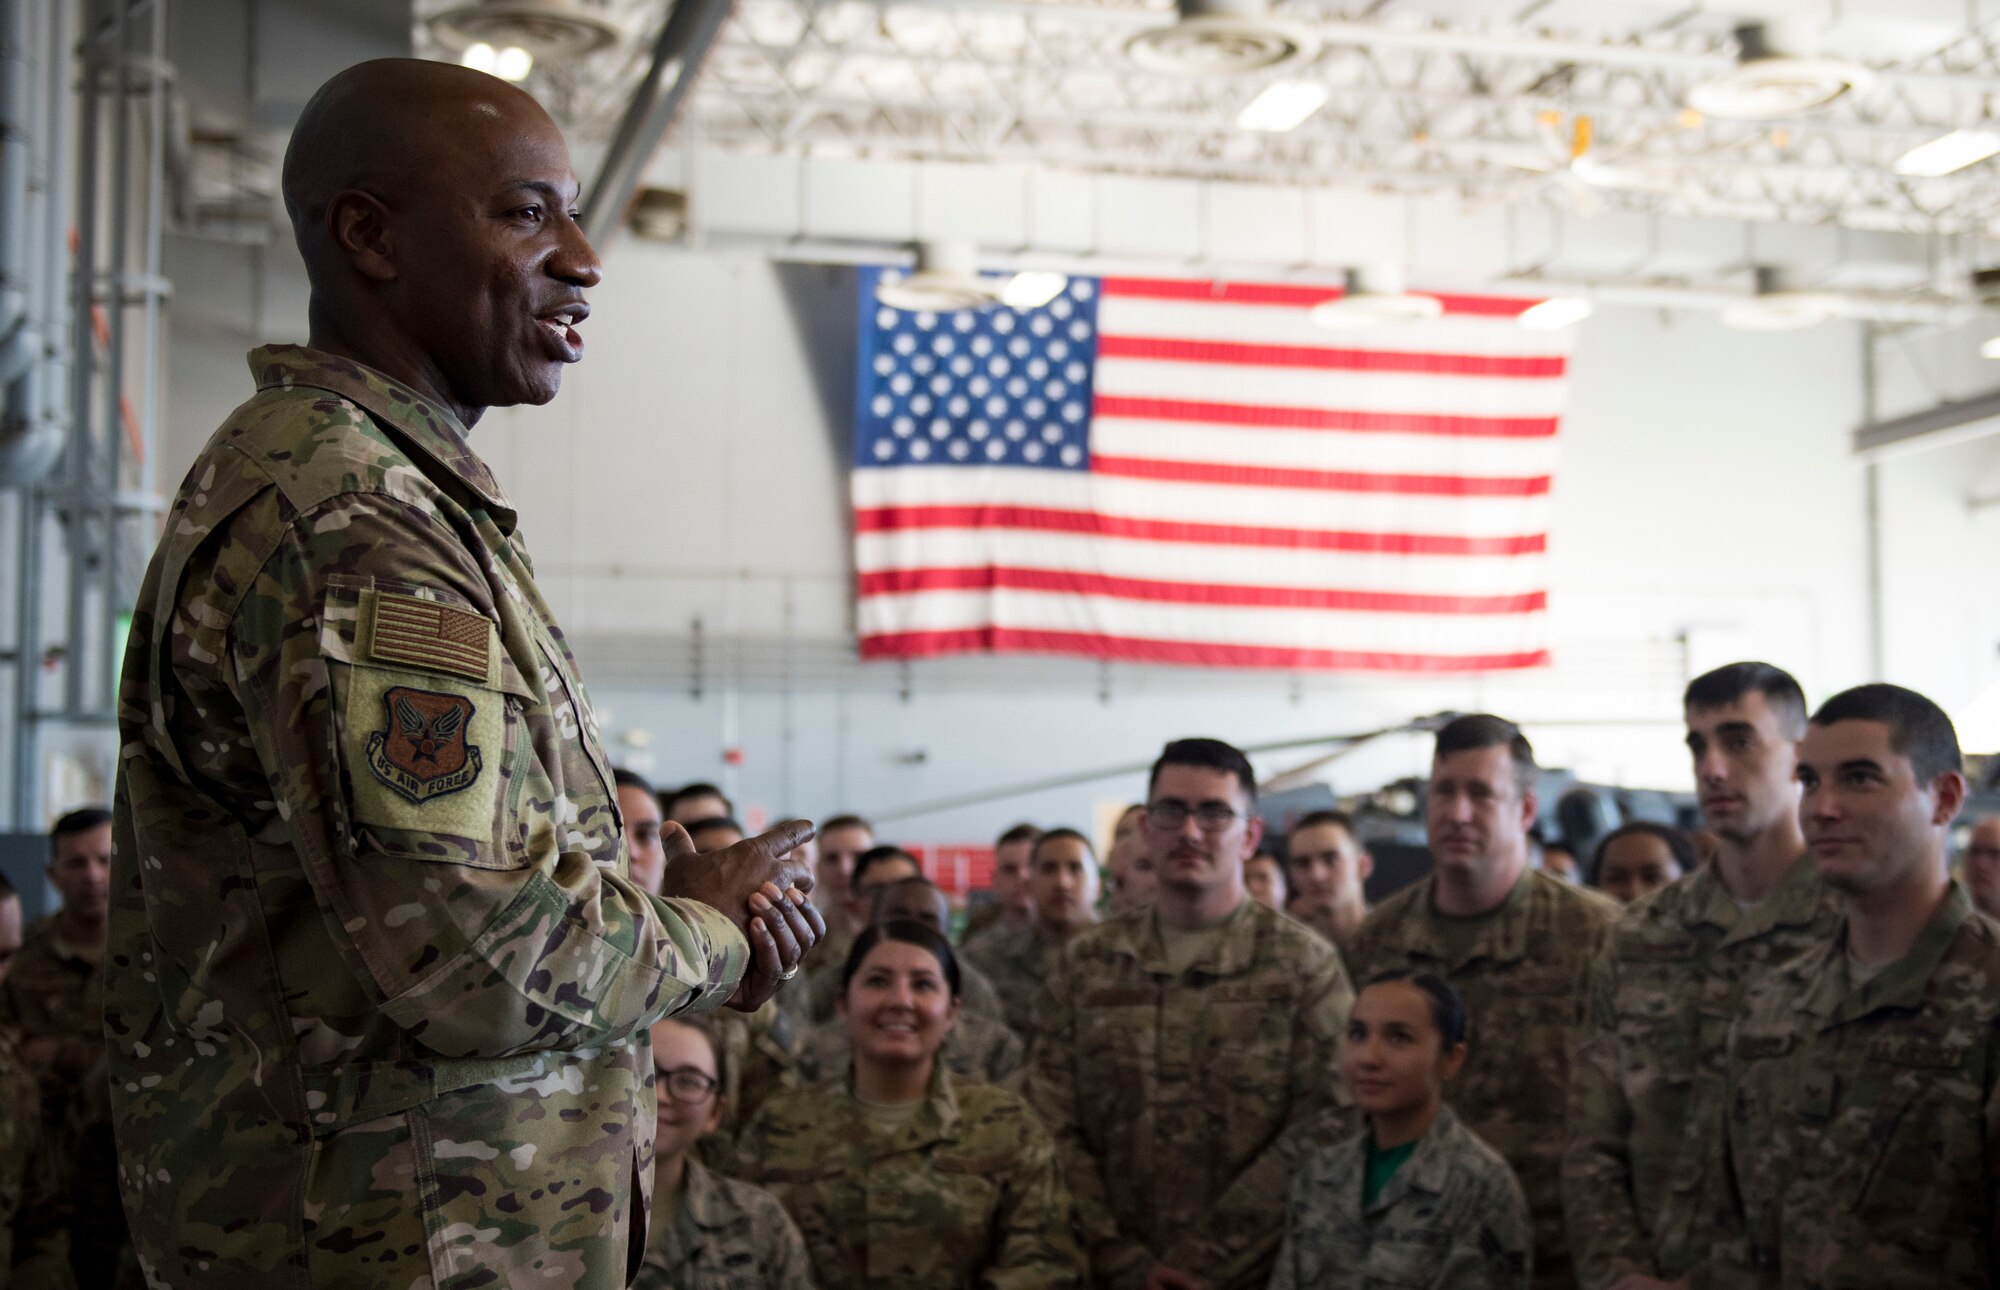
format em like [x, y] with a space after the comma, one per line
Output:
[678, 56]
[1938, 427]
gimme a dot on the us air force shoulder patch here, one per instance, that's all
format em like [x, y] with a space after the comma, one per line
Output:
[421, 752]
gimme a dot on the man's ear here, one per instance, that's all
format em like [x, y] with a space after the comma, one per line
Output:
[1365, 866]
[359, 225]
[1253, 833]
[1948, 792]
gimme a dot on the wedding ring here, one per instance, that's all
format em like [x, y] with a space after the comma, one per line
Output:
[789, 973]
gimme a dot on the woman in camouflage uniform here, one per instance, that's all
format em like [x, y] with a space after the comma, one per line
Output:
[708, 1232]
[1416, 1199]
[902, 1175]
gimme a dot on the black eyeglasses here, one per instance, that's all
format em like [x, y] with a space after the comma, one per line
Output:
[1210, 817]
[686, 1084]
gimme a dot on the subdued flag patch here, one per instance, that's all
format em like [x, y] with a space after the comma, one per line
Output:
[430, 634]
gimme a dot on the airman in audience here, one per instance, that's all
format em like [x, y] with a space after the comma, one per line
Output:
[1979, 866]
[1327, 865]
[981, 1046]
[1063, 880]
[842, 839]
[1863, 1111]
[1264, 879]
[708, 1232]
[34, 1220]
[901, 1175]
[1639, 858]
[1186, 1056]
[640, 810]
[1011, 908]
[1416, 1199]
[698, 801]
[1648, 1084]
[1515, 942]
[1132, 877]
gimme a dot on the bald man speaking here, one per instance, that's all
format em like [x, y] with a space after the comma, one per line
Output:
[378, 981]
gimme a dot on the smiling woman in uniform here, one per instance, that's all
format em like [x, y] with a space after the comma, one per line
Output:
[902, 1175]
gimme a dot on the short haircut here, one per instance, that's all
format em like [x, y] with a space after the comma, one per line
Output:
[1447, 1005]
[1023, 832]
[714, 822]
[1318, 819]
[622, 778]
[846, 822]
[1478, 730]
[1678, 841]
[81, 820]
[878, 855]
[883, 892]
[698, 789]
[909, 933]
[1730, 682]
[1918, 728]
[1089, 847]
[1208, 754]
[7, 891]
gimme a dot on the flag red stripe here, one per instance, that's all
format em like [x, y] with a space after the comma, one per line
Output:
[1005, 640]
[1339, 481]
[1251, 414]
[1047, 519]
[889, 582]
[1324, 358]
[1299, 297]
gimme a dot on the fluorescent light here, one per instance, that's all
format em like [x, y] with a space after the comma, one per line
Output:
[480, 58]
[1948, 152]
[1990, 348]
[1555, 313]
[1283, 105]
[513, 64]
[1033, 289]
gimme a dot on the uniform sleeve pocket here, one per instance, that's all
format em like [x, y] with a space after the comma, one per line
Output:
[423, 702]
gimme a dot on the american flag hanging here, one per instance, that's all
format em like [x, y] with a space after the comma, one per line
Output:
[1192, 472]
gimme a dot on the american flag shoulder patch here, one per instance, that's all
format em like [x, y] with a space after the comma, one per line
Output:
[430, 634]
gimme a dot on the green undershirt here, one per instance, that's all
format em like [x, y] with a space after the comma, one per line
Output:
[1382, 1166]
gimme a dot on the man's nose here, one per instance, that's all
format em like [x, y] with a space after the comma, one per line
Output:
[575, 261]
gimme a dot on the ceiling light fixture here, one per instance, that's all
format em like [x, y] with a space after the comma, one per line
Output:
[510, 64]
[546, 31]
[1990, 348]
[1767, 83]
[1555, 313]
[1033, 289]
[1374, 299]
[1282, 106]
[1948, 153]
[1218, 38]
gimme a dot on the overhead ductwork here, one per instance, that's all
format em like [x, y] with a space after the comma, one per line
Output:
[946, 278]
[1219, 38]
[1770, 82]
[1780, 304]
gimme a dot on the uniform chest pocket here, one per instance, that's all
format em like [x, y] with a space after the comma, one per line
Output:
[425, 727]
[1396, 1260]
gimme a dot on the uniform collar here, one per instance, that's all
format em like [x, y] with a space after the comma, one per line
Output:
[1796, 901]
[701, 1199]
[1233, 950]
[1429, 1168]
[1501, 934]
[935, 1121]
[64, 948]
[421, 424]
[1902, 984]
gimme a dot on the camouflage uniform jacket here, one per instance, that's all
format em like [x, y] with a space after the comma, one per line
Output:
[1183, 1104]
[1019, 963]
[55, 990]
[34, 1209]
[762, 1052]
[1864, 1123]
[977, 1047]
[1452, 1218]
[966, 1194]
[378, 982]
[1523, 975]
[726, 1235]
[1646, 1088]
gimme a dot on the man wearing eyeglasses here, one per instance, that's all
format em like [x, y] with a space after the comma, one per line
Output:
[1516, 942]
[1186, 1060]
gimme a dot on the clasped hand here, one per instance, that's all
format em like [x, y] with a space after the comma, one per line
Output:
[761, 884]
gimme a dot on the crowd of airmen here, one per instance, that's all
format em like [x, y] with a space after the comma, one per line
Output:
[1774, 1067]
